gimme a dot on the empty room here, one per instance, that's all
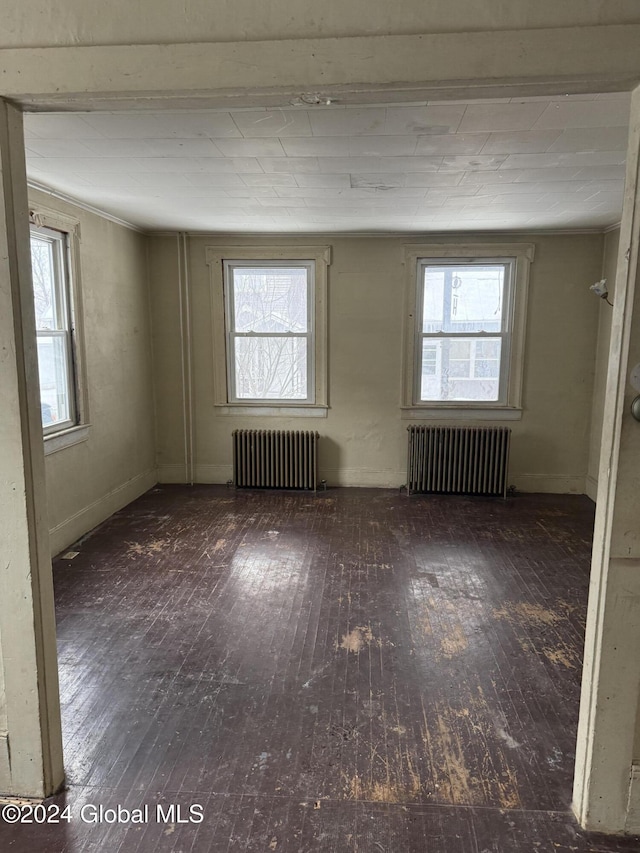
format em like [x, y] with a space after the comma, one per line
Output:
[319, 441]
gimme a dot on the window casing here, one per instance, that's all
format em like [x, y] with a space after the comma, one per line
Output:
[269, 315]
[465, 311]
[54, 329]
[65, 324]
[279, 322]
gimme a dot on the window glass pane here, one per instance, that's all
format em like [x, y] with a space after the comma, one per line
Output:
[270, 299]
[271, 368]
[464, 298]
[486, 368]
[460, 349]
[44, 288]
[488, 348]
[431, 379]
[468, 369]
[460, 367]
[54, 383]
[429, 359]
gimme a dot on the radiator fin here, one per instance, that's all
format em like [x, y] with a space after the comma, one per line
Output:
[275, 459]
[458, 460]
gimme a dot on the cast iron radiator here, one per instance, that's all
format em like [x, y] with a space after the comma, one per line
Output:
[275, 459]
[458, 460]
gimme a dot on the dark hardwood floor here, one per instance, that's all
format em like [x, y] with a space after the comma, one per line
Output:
[349, 671]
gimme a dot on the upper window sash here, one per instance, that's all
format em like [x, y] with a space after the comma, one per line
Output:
[57, 264]
[506, 306]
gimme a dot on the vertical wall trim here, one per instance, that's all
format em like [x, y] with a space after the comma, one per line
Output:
[187, 314]
[184, 403]
[609, 695]
[185, 354]
[27, 619]
[154, 396]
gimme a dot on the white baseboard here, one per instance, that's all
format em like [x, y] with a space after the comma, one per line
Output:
[363, 477]
[172, 474]
[591, 487]
[88, 517]
[201, 474]
[556, 485]
[382, 479]
[378, 478]
[213, 473]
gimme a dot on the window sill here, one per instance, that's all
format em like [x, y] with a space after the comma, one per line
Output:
[461, 413]
[272, 411]
[66, 438]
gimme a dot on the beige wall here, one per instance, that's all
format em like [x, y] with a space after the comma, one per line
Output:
[3, 705]
[609, 260]
[89, 481]
[364, 436]
[5, 769]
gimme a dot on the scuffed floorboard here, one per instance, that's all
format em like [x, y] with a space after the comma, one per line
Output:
[348, 671]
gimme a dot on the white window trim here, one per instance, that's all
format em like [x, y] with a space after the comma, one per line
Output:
[63, 326]
[522, 255]
[65, 438]
[321, 257]
[44, 217]
[504, 334]
[232, 333]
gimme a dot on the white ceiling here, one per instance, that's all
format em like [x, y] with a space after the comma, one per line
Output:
[534, 163]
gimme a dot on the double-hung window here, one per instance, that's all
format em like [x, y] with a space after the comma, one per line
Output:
[57, 293]
[464, 331]
[465, 325]
[54, 329]
[270, 331]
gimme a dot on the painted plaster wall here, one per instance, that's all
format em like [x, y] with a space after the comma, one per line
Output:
[5, 769]
[364, 437]
[89, 481]
[609, 261]
[85, 22]
[3, 705]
